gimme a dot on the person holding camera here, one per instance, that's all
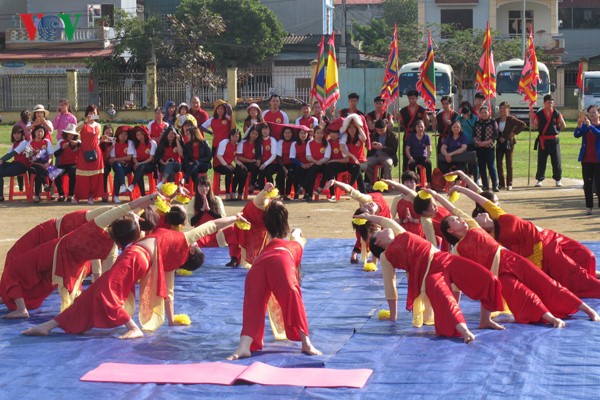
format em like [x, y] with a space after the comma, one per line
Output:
[468, 119]
[508, 127]
[169, 154]
[90, 164]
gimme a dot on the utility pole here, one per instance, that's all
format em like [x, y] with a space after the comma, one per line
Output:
[343, 52]
[523, 31]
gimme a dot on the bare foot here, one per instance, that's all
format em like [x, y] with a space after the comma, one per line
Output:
[36, 331]
[239, 354]
[311, 350]
[17, 314]
[41, 329]
[132, 334]
[489, 324]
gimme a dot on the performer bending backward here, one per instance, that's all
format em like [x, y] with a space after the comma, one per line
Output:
[108, 302]
[32, 276]
[275, 271]
[431, 273]
[567, 261]
[531, 295]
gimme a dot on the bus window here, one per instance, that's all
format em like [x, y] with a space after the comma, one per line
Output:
[408, 81]
[591, 86]
[508, 82]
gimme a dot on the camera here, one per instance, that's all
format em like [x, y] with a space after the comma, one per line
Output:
[465, 110]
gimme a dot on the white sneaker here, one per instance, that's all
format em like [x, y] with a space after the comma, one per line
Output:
[130, 188]
[123, 189]
[558, 183]
[116, 200]
[332, 199]
[509, 188]
[538, 183]
[159, 186]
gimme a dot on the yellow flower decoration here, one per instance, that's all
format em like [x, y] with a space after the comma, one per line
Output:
[168, 189]
[271, 194]
[381, 186]
[183, 272]
[424, 195]
[245, 226]
[161, 205]
[454, 197]
[182, 319]
[450, 178]
[359, 221]
[182, 199]
[370, 267]
[384, 314]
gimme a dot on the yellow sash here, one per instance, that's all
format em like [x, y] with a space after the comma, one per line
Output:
[422, 310]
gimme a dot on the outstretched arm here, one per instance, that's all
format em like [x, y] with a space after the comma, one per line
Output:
[107, 218]
[384, 223]
[261, 200]
[467, 179]
[444, 202]
[476, 197]
[407, 192]
[389, 286]
[355, 194]
[453, 209]
[211, 227]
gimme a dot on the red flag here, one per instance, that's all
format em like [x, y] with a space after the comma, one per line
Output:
[389, 89]
[485, 82]
[426, 82]
[530, 76]
[580, 76]
[318, 89]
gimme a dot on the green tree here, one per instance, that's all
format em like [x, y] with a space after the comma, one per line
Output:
[252, 32]
[375, 37]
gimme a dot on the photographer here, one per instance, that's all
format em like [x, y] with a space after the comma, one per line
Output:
[67, 151]
[169, 154]
[468, 119]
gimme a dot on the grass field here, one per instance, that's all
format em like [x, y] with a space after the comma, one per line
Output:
[569, 151]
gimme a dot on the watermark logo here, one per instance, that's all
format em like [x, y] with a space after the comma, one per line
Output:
[50, 27]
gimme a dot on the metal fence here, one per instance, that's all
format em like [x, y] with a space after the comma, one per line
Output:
[128, 90]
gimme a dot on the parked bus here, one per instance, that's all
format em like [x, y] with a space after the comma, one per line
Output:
[444, 82]
[508, 75]
[590, 95]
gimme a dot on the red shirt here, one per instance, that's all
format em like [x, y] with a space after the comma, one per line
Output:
[267, 151]
[317, 151]
[229, 154]
[285, 151]
[301, 152]
[220, 128]
[357, 150]
[69, 155]
[171, 154]
[336, 153]
[590, 155]
[278, 118]
[156, 128]
[142, 152]
[248, 150]
[20, 158]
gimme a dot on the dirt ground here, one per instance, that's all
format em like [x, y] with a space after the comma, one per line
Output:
[559, 209]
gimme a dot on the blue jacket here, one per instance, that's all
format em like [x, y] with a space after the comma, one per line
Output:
[580, 132]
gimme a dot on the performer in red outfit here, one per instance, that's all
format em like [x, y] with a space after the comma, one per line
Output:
[402, 205]
[275, 271]
[374, 204]
[254, 240]
[32, 276]
[90, 169]
[530, 294]
[152, 261]
[208, 207]
[430, 275]
[568, 262]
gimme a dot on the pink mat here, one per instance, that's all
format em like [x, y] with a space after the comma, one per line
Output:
[219, 373]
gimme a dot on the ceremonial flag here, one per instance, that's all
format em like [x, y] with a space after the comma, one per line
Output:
[580, 76]
[331, 79]
[485, 82]
[426, 82]
[389, 88]
[530, 76]
[318, 89]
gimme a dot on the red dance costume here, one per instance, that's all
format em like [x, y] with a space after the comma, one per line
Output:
[529, 292]
[90, 174]
[567, 261]
[403, 209]
[29, 276]
[252, 240]
[383, 211]
[411, 253]
[274, 271]
[102, 304]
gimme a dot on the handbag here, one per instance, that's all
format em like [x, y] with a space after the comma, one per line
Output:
[90, 155]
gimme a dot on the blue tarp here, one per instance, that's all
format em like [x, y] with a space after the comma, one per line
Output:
[342, 301]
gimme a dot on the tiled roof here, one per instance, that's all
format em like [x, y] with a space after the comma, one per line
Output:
[41, 54]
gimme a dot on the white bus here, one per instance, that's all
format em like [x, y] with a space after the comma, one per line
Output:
[508, 75]
[409, 75]
[590, 95]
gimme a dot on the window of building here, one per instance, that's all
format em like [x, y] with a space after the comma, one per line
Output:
[579, 18]
[461, 19]
[515, 26]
